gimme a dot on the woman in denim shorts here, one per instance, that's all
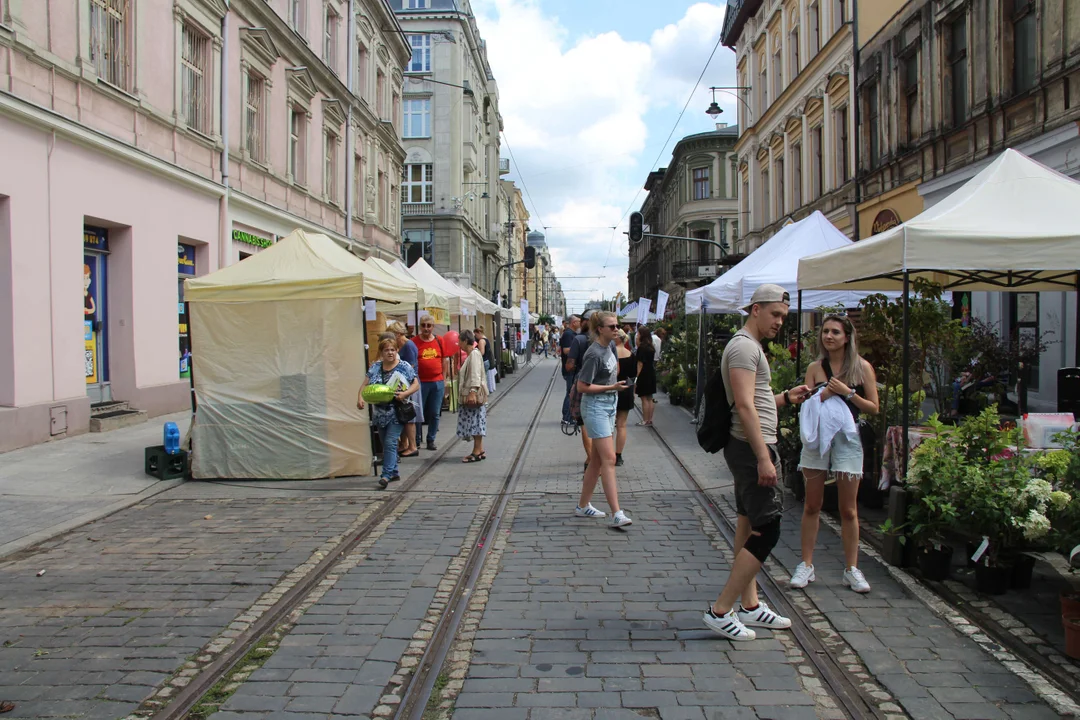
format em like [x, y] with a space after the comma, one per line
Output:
[847, 375]
[597, 382]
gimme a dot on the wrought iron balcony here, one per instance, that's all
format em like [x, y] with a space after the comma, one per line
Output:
[696, 270]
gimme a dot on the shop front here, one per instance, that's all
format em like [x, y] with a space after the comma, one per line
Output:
[95, 277]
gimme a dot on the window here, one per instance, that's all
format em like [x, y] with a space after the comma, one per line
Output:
[765, 198]
[415, 4]
[843, 165]
[779, 175]
[702, 189]
[839, 14]
[419, 186]
[417, 118]
[109, 41]
[362, 71]
[911, 95]
[763, 87]
[396, 115]
[380, 95]
[793, 52]
[818, 165]
[298, 145]
[298, 15]
[381, 200]
[255, 118]
[421, 54]
[330, 165]
[958, 72]
[796, 176]
[195, 98]
[330, 33]
[873, 129]
[778, 75]
[1024, 59]
[358, 185]
[813, 13]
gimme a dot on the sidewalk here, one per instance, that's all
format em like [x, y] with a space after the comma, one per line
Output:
[930, 667]
[50, 488]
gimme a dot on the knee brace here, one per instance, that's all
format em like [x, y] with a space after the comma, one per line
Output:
[763, 539]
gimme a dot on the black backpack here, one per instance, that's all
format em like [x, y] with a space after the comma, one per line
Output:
[714, 417]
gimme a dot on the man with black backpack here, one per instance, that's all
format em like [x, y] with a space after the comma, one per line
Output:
[748, 411]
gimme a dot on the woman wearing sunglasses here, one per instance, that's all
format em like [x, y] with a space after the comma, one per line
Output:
[850, 377]
[599, 390]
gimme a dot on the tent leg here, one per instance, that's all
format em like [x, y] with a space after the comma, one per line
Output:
[1076, 338]
[191, 360]
[699, 387]
[905, 380]
[798, 339]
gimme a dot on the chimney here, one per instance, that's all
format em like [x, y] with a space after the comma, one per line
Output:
[721, 126]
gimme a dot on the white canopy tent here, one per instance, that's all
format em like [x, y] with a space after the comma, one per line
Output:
[629, 313]
[427, 298]
[460, 299]
[1012, 227]
[776, 262]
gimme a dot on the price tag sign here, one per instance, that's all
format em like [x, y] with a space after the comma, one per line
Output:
[369, 309]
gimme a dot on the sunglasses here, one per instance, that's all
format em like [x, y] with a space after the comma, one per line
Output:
[426, 325]
[612, 327]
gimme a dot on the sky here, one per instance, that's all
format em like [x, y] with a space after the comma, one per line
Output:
[589, 91]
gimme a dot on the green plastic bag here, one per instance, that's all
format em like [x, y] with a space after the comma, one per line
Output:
[378, 394]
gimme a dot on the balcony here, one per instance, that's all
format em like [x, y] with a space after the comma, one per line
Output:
[412, 209]
[696, 270]
[504, 166]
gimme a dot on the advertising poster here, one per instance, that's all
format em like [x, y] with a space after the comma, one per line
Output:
[185, 267]
[643, 310]
[524, 320]
[90, 313]
[661, 304]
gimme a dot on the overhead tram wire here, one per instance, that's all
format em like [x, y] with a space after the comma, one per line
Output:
[521, 176]
[671, 134]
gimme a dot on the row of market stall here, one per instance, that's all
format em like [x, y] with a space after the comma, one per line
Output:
[281, 343]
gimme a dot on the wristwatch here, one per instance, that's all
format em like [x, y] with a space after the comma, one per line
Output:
[850, 394]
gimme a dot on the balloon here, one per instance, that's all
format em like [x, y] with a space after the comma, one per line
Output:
[450, 343]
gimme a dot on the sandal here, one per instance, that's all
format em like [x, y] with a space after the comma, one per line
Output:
[414, 453]
[470, 458]
[6, 707]
[644, 424]
[482, 456]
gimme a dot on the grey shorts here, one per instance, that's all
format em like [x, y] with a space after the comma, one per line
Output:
[758, 504]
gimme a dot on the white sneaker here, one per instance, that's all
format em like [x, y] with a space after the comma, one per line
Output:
[855, 580]
[620, 519]
[589, 511]
[803, 576]
[762, 616]
[728, 626]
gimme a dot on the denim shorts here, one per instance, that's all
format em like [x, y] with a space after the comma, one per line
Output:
[843, 456]
[598, 414]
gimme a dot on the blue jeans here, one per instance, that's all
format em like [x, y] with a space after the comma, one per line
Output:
[390, 435]
[570, 380]
[431, 396]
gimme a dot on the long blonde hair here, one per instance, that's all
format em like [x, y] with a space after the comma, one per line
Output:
[596, 320]
[852, 373]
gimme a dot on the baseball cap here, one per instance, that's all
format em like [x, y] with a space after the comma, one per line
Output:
[768, 293]
[587, 314]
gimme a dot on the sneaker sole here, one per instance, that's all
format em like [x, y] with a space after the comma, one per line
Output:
[854, 589]
[623, 523]
[598, 515]
[767, 626]
[809, 580]
[748, 636]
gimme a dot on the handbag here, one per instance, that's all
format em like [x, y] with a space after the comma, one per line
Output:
[472, 400]
[404, 411]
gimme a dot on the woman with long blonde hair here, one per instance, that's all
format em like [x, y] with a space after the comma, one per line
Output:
[845, 374]
[599, 387]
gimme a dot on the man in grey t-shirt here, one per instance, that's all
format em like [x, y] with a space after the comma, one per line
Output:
[752, 458]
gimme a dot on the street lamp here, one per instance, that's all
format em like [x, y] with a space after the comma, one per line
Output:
[715, 110]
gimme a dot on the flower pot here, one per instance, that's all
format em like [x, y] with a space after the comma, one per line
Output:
[935, 563]
[1023, 567]
[993, 579]
[1070, 604]
[1072, 637]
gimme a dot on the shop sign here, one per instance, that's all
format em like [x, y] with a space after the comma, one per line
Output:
[95, 238]
[885, 220]
[438, 315]
[249, 239]
[185, 259]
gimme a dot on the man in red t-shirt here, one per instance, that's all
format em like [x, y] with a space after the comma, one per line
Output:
[433, 367]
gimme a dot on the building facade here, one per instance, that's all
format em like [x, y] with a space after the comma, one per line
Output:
[451, 139]
[944, 88]
[796, 113]
[173, 138]
[695, 196]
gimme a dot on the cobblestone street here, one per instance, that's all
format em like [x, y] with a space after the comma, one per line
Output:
[568, 619]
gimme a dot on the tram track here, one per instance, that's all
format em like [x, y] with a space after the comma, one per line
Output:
[190, 696]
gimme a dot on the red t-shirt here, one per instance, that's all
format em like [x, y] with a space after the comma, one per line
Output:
[431, 359]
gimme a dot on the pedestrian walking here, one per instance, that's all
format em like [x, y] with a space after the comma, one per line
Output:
[543, 340]
[578, 348]
[433, 367]
[850, 378]
[599, 388]
[752, 458]
[627, 373]
[393, 371]
[646, 375]
[487, 351]
[568, 370]
[472, 392]
[408, 353]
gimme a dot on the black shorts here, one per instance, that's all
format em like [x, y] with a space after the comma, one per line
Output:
[759, 504]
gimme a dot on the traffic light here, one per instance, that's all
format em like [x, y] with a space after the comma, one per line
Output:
[530, 257]
[636, 227]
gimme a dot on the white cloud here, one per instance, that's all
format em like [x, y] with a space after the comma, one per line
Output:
[575, 114]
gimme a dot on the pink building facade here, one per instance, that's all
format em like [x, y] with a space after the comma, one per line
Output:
[112, 138]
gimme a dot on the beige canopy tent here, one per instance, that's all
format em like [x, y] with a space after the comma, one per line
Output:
[1012, 227]
[460, 299]
[428, 298]
[278, 355]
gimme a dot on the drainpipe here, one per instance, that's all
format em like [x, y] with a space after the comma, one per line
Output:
[855, 101]
[349, 151]
[224, 241]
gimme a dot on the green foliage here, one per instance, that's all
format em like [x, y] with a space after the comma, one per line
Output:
[1062, 469]
[788, 440]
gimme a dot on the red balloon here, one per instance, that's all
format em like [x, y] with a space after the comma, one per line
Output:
[450, 343]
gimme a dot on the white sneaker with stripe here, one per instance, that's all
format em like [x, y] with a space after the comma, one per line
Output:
[762, 616]
[589, 511]
[728, 625]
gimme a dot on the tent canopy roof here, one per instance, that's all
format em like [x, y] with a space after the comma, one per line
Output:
[460, 300]
[1011, 226]
[777, 262]
[426, 297]
[387, 287]
[300, 266]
